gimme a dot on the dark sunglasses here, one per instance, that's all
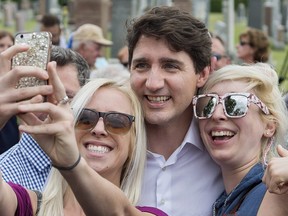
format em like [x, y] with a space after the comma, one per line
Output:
[235, 105]
[114, 122]
[219, 56]
[243, 43]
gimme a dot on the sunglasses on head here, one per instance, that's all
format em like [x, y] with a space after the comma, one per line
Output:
[235, 105]
[219, 56]
[114, 122]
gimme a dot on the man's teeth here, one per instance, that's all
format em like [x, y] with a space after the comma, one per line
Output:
[158, 99]
[98, 149]
[222, 133]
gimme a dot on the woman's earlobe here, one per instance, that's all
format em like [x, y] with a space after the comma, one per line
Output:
[270, 129]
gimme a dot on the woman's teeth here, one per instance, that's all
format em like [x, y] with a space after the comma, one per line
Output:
[98, 149]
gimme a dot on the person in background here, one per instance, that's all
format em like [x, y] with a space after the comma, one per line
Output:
[242, 123]
[123, 56]
[9, 134]
[51, 23]
[6, 40]
[219, 51]
[112, 71]
[25, 163]
[253, 46]
[116, 71]
[88, 41]
[108, 129]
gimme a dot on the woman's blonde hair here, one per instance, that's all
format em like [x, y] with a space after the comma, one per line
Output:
[133, 169]
[262, 79]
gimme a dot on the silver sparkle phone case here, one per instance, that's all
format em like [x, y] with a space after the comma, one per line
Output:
[38, 55]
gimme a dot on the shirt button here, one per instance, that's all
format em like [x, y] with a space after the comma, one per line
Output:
[162, 202]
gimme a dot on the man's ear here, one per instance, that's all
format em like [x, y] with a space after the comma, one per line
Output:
[81, 45]
[213, 64]
[81, 48]
[203, 76]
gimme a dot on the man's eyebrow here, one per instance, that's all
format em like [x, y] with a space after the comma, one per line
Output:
[162, 60]
[170, 60]
[138, 60]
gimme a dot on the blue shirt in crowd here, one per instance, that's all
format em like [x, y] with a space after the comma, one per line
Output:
[26, 164]
[9, 135]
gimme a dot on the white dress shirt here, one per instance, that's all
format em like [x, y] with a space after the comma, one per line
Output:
[187, 184]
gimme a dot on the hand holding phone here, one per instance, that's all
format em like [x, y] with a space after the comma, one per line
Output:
[38, 55]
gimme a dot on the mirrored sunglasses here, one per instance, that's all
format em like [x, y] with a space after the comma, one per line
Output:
[114, 122]
[235, 105]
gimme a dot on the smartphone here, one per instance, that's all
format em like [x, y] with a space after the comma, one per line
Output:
[38, 55]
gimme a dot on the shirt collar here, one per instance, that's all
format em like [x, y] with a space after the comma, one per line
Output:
[193, 135]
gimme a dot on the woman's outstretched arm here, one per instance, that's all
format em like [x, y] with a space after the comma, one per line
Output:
[16, 199]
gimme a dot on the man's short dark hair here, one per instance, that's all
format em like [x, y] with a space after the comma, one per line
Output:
[178, 28]
[49, 20]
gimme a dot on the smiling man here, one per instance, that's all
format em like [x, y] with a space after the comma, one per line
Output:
[169, 58]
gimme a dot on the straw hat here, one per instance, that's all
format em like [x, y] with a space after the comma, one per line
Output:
[90, 32]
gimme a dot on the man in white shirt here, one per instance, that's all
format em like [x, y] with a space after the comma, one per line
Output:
[170, 58]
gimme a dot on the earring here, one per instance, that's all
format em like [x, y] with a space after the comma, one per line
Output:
[267, 133]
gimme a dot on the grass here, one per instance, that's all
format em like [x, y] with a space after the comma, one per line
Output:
[30, 25]
[277, 56]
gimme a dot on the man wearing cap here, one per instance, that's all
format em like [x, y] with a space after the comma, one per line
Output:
[88, 41]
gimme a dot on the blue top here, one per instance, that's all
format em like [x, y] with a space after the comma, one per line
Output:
[9, 135]
[26, 164]
[246, 198]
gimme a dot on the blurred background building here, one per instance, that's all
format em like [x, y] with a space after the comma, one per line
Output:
[111, 15]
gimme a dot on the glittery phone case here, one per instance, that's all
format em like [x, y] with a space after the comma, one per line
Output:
[38, 55]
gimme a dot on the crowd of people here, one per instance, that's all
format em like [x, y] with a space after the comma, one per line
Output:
[180, 130]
